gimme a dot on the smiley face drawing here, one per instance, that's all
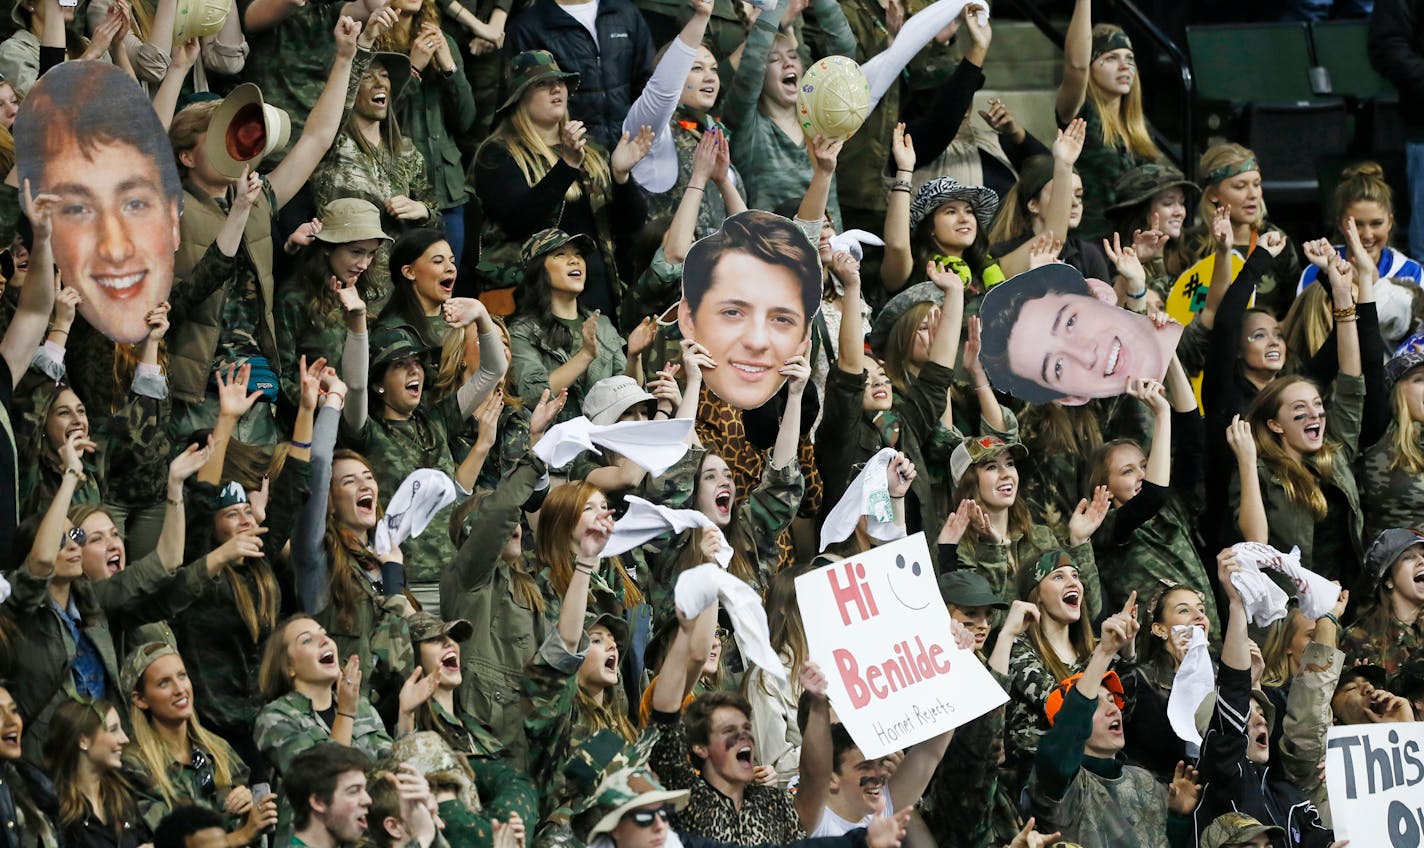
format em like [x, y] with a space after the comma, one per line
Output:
[910, 585]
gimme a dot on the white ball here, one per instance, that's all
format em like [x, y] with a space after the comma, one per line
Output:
[834, 98]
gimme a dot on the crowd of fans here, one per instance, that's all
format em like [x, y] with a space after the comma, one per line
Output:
[208, 636]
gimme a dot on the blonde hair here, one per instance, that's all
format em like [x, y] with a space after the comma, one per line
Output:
[1405, 435]
[1275, 648]
[535, 157]
[156, 756]
[397, 39]
[1124, 126]
[1301, 485]
[1226, 154]
[1309, 322]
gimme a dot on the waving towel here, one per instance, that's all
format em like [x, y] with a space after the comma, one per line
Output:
[654, 445]
[1195, 680]
[1265, 602]
[698, 587]
[420, 497]
[645, 520]
[867, 495]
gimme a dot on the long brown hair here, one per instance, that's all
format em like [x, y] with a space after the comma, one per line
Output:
[1301, 485]
[788, 634]
[1080, 634]
[117, 796]
[901, 341]
[522, 583]
[398, 38]
[553, 546]
[1020, 518]
[348, 553]
[1308, 322]
[1124, 127]
[274, 675]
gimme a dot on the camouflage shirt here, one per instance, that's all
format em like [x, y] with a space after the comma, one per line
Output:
[1030, 681]
[1000, 563]
[1389, 650]
[503, 790]
[1100, 166]
[1392, 497]
[193, 784]
[297, 54]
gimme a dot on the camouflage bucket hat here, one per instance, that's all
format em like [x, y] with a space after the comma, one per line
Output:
[390, 344]
[433, 757]
[349, 219]
[895, 309]
[138, 661]
[1386, 549]
[1402, 364]
[1236, 829]
[545, 242]
[528, 68]
[626, 790]
[1145, 182]
[425, 626]
[937, 192]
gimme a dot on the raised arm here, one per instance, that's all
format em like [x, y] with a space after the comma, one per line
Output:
[824, 153]
[234, 401]
[571, 614]
[165, 100]
[657, 104]
[27, 328]
[1077, 59]
[850, 341]
[740, 104]
[898, 264]
[818, 761]
[49, 536]
[1251, 513]
[786, 451]
[308, 532]
[470, 314]
[1066, 149]
[945, 346]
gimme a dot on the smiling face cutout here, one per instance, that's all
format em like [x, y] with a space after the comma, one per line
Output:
[912, 584]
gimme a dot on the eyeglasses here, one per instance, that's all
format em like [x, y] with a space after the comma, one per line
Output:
[203, 766]
[73, 534]
[722, 634]
[645, 818]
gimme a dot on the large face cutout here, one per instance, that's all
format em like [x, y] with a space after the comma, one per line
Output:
[1049, 334]
[88, 135]
[749, 294]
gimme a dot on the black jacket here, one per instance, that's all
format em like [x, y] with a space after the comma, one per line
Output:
[1397, 52]
[612, 72]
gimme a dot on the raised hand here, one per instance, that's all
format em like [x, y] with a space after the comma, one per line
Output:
[1030, 838]
[348, 688]
[1226, 565]
[642, 337]
[825, 152]
[695, 360]
[545, 412]
[595, 538]
[589, 333]
[902, 147]
[899, 474]
[377, 25]
[1021, 615]
[234, 401]
[487, 416]
[352, 304]
[187, 463]
[248, 188]
[664, 387]
[1149, 243]
[1319, 252]
[1001, 120]
[185, 55]
[944, 277]
[66, 301]
[978, 24]
[1152, 394]
[630, 151]
[1272, 241]
[1127, 262]
[1365, 267]
[1223, 235]
[1242, 442]
[846, 268]
[244, 544]
[71, 453]
[1043, 250]
[463, 311]
[796, 371]
[887, 831]
[418, 689]
[813, 681]
[1184, 791]
[1088, 517]
[704, 160]
[1068, 146]
[40, 210]
[347, 31]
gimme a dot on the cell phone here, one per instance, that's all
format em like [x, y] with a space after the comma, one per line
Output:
[260, 791]
[69, 3]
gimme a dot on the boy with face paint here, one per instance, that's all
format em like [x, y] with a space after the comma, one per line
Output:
[1080, 786]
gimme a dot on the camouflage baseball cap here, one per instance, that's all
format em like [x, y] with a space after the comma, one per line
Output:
[545, 242]
[528, 68]
[390, 344]
[348, 219]
[1402, 364]
[1388, 547]
[138, 661]
[1236, 829]
[425, 626]
[614, 624]
[976, 449]
[1144, 182]
[1046, 564]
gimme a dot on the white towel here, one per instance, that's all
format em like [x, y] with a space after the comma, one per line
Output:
[4, 589]
[1316, 595]
[420, 497]
[884, 69]
[1265, 602]
[698, 587]
[850, 241]
[866, 495]
[654, 445]
[644, 521]
[1195, 680]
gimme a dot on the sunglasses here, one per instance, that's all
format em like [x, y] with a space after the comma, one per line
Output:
[645, 818]
[73, 534]
[203, 766]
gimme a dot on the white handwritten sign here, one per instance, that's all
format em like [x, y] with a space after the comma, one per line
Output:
[1375, 774]
[877, 626]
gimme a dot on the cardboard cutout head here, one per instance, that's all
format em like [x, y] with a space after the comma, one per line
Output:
[749, 294]
[88, 134]
[1050, 335]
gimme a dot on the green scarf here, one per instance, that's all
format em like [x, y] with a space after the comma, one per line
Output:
[991, 276]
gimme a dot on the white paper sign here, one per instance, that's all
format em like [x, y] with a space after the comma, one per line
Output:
[1375, 774]
[877, 626]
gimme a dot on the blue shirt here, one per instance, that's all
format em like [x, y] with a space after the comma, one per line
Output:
[1392, 265]
[90, 678]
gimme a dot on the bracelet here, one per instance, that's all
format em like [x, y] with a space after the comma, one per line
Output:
[58, 330]
[1138, 296]
[981, 386]
[658, 412]
[691, 187]
[296, 444]
[1341, 314]
[79, 475]
[904, 170]
[1352, 319]
[1333, 620]
[901, 184]
[351, 716]
[174, 501]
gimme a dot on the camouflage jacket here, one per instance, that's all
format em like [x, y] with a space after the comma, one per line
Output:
[687, 128]
[1030, 681]
[288, 726]
[1389, 650]
[1100, 166]
[188, 784]
[767, 814]
[348, 172]
[533, 355]
[1000, 562]
[476, 586]
[302, 331]
[1392, 497]
[757, 524]
[503, 789]
[398, 447]
[965, 805]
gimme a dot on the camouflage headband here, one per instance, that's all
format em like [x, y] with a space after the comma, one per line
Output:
[1226, 172]
[1107, 42]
